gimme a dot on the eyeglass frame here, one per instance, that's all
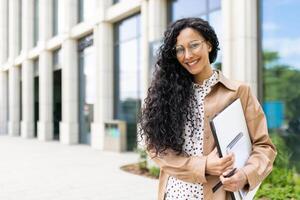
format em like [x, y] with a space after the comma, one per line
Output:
[190, 49]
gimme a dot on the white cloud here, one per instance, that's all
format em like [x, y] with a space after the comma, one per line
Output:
[288, 49]
[286, 46]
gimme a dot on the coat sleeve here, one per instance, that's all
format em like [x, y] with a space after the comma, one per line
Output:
[189, 169]
[260, 162]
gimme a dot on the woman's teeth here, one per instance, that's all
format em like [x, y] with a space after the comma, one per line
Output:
[192, 63]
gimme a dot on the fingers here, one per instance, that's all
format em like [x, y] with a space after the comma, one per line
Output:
[228, 184]
[227, 161]
[229, 172]
[227, 181]
[233, 183]
[216, 166]
[228, 157]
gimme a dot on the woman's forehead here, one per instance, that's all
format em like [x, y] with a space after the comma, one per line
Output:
[187, 35]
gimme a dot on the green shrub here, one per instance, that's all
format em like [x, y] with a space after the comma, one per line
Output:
[142, 159]
[154, 171]
[283, 182]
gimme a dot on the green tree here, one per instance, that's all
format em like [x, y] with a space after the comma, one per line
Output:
[282, 82]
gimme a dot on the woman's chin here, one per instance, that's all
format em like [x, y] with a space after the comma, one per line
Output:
[194, 71]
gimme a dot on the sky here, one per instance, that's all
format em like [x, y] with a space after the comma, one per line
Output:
[281, 29]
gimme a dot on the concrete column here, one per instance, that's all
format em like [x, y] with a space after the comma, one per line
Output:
[145, 62]
[3, 74]
[45, 123]
[154, 12]
[14, 72]
[69, 126]
[3, 102]
[45, 22]
[157, 19]
[103, 107]
[27, 25]
[3, 32]
[240, 41]
[27, 124]
[14, 101]
[14, 29]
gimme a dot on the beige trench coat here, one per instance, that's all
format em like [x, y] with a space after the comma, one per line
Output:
[192, 169]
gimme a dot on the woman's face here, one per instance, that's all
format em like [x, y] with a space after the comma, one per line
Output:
[192, 51]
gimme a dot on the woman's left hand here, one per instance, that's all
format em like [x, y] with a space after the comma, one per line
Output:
[235, 182]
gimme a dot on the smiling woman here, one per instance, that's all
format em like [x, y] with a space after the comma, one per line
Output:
[184, 94]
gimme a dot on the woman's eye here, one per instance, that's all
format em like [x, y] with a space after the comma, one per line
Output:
[179, 50]
[195, 45]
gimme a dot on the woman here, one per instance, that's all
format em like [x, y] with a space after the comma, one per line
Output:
[184, 94]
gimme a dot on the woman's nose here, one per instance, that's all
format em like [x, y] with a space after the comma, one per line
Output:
[188, 54]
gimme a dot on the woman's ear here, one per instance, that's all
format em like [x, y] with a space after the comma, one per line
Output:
[209, 47]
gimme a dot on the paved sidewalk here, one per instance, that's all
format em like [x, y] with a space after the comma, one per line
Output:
[34, 170]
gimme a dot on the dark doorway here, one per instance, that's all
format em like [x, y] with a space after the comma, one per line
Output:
[56, 103]
[36, 104]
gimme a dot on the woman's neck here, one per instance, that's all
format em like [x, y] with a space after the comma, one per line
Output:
[203, 75]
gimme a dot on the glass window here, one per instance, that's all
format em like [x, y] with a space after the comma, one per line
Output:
[214, 4]
[20, 25]
[57, 16]
[87, 87]
[57, 59]
[215, 21]
[119, 1]
[86, 9]
[281, 66]
[36, 66]
[127, 73]
[36, 22]
[7, 30]
[187, 8]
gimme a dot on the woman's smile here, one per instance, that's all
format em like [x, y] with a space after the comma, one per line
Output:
[192, 63]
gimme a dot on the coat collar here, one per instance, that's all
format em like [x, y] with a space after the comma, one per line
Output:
[231, 85]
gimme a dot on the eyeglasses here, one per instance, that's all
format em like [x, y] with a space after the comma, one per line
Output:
[193, 47]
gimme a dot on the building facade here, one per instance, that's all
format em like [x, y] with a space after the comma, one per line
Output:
[67, 67]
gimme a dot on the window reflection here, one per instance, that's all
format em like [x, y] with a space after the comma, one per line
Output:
[192, 8]
[127, 75]
[214, 4]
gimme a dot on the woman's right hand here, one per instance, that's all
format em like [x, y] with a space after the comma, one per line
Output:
[216, 165]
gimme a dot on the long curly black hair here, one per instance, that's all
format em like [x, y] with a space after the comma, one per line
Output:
[168, 103]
